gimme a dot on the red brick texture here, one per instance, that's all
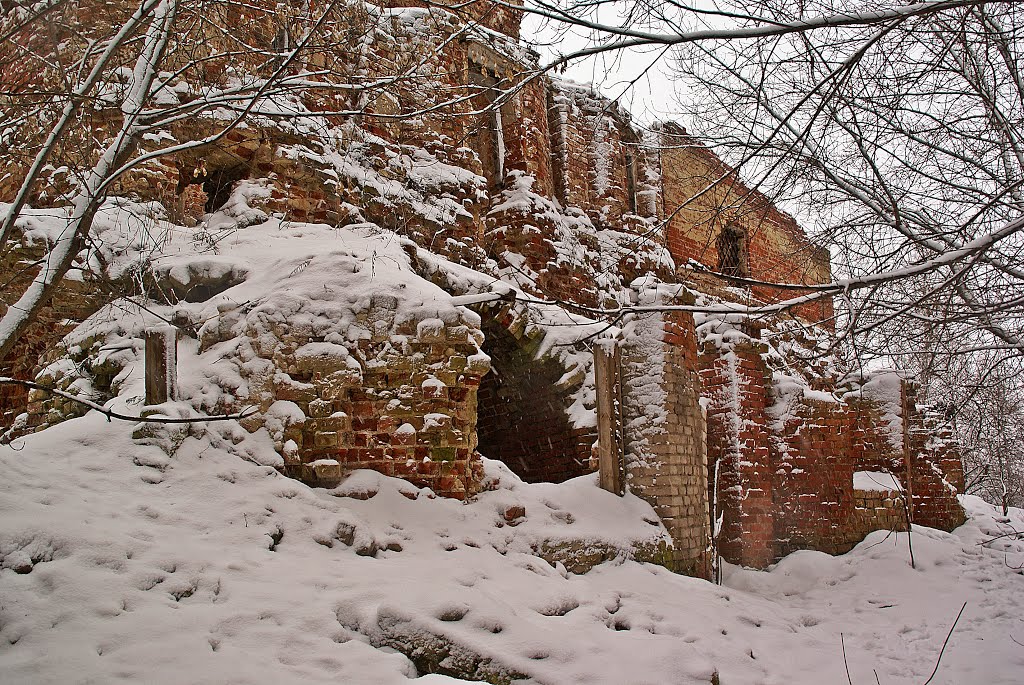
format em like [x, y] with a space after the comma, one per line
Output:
[740, 453]
[786, 482]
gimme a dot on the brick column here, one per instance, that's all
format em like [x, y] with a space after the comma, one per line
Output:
[735, 385]
[934, 469]
[664, 428]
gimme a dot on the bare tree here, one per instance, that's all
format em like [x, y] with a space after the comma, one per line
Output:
[93, 92]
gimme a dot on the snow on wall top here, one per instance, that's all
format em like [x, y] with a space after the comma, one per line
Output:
[876, 481]
[886, 388]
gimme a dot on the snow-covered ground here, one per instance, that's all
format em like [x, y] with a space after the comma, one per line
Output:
[207, 568]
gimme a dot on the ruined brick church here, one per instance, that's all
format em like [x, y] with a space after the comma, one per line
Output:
[744, 434]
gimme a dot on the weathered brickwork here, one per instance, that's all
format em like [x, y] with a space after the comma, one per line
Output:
[406, 409]
[935, 471]
[769, 245]
[814, 479]
[876, 510]
[786, 482]
[739, 453]
[73, 301]
[603, 165]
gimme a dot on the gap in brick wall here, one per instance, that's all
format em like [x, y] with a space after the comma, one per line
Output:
[521, 418]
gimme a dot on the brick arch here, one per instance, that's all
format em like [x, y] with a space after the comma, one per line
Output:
[521, 407]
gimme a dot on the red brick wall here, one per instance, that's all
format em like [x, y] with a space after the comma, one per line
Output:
[786, 483]
[390, 420]
[935, 471]
[736, 390]
[73, 301]
[702, 196]
[814, 499]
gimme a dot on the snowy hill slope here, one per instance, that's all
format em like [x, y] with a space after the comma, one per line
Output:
[120, 564]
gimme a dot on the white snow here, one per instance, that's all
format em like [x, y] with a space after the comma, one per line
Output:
[886, 387]
[159, 570]
[876, 481]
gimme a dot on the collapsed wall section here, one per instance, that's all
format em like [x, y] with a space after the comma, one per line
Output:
[407, 411]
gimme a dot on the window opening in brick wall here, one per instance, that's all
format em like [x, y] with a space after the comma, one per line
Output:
[631, 183]
[216, 183]
[521, 418]
[732, 252]
[487, 138]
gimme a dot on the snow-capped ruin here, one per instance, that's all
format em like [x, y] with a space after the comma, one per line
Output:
[308, 259]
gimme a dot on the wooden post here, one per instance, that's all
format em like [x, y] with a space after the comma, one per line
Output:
[609, 446]
[161, 364]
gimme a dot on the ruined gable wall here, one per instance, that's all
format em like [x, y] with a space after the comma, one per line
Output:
[702, 196]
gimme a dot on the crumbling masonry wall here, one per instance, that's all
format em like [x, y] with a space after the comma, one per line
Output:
[739, 453]
[781, 467]
[772, 246]
[560, 215]
[398, 398]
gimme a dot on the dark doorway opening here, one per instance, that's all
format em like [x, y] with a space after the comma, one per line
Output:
[521, 413]
[216, 183]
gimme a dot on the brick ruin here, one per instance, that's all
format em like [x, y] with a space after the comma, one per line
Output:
[555, 191]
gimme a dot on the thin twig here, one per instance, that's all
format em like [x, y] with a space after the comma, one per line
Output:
[1015, 534]
[110, 414]
[944, 643]
[845, 662]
